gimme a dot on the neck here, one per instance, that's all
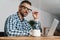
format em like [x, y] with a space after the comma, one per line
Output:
[20, 16]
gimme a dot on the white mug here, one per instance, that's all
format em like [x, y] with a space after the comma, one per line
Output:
[35, 32]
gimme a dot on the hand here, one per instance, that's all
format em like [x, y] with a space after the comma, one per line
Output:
[35, 14]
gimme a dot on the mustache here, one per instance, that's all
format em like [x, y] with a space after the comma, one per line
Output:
[25, 12]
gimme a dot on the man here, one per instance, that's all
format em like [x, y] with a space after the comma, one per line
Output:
[16, 25]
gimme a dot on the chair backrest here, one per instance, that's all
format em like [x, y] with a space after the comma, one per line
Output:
[53, 27]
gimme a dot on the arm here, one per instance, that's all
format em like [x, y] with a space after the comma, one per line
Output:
[37, 24]
[10, 29]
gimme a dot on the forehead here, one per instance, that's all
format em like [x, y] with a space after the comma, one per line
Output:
[26, 5]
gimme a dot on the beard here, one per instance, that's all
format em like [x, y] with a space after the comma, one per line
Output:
[23, 15]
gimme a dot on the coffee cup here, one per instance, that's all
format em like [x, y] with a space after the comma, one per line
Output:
[35, 32]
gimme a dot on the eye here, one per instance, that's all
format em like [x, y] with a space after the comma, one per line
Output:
[26, 8]
[29, 9]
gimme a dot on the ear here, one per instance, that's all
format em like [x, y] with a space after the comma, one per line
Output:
[19, 6]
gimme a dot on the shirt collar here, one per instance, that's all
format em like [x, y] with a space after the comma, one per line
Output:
[19, 18]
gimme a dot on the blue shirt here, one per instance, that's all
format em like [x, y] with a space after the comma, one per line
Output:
[16, 27]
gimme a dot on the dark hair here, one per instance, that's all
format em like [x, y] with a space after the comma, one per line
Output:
[26, 2]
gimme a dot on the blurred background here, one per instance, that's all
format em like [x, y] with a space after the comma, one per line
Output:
[48, 11]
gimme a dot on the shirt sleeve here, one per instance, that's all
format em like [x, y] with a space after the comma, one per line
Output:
[37, 25]
[10, 29]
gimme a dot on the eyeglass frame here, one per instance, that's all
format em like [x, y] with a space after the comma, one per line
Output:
[26, 8]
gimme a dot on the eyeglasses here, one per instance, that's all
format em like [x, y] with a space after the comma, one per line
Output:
[26, 8]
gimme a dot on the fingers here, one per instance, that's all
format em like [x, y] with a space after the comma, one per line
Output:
[35, 14]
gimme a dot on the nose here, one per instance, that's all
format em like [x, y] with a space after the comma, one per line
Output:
[27, 10]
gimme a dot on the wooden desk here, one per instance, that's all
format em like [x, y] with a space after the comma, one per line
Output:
[31, 38]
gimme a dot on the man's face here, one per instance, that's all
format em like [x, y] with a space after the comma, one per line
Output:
[24, 9]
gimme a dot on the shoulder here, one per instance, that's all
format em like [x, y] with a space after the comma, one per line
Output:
[12, 16]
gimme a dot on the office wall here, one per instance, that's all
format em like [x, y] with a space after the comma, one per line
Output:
[45, 18]
[8, 7]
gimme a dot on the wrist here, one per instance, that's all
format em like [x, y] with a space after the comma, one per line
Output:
[36, 20]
